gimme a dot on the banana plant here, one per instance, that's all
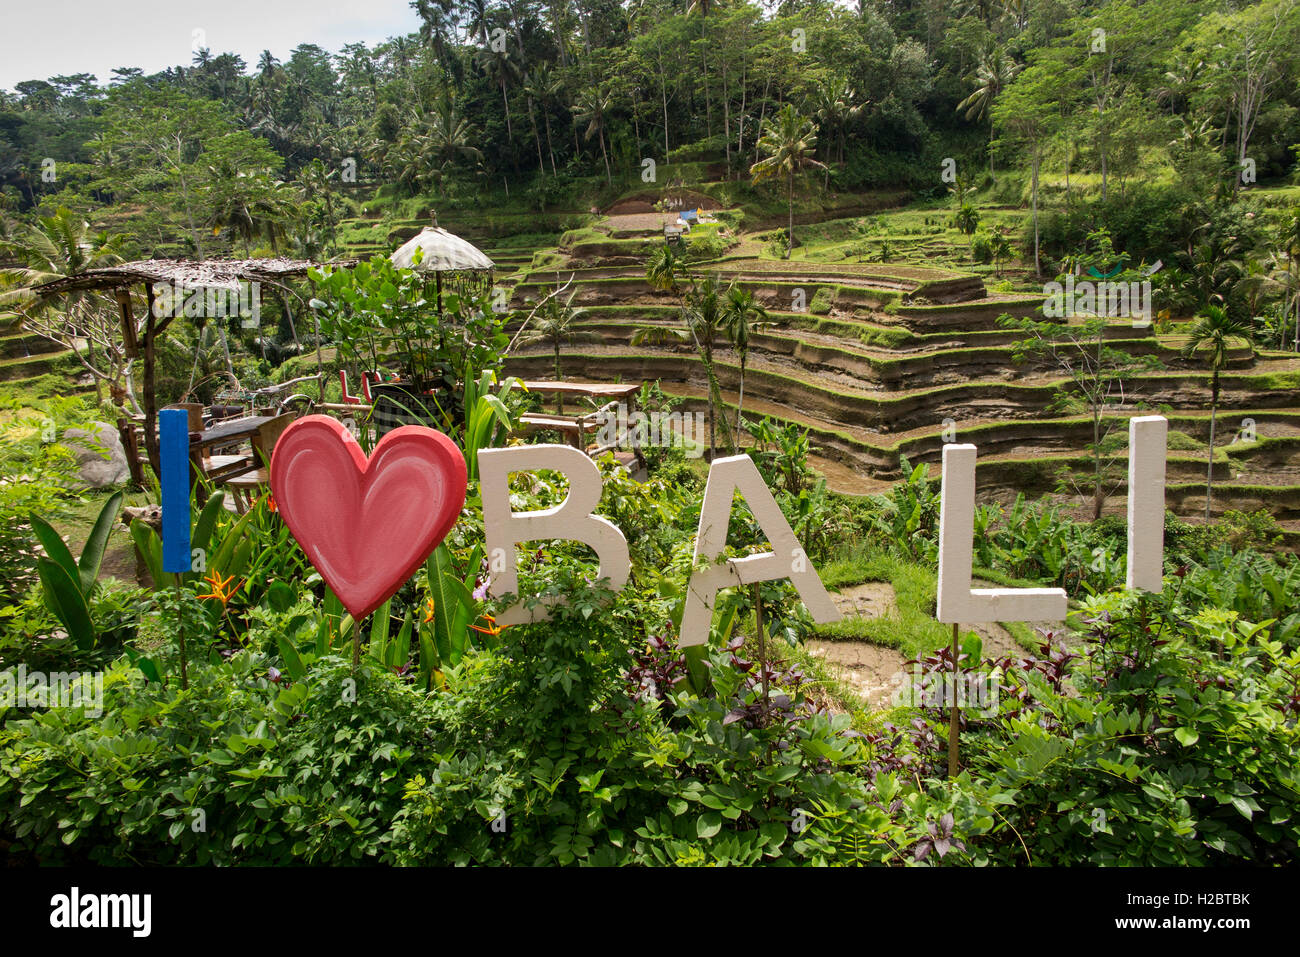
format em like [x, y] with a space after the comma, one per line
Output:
[68, 585]
[487, 420]
[448, 628]
[393, 652]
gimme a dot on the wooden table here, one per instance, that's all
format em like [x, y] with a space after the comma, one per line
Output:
[590, 390]
[577, 427]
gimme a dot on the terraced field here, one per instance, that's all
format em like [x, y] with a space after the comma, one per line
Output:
[25, 356]
[898, 357]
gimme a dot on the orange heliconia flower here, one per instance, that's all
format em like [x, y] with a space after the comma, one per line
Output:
[220, 588]
[270, 504]
[492, 630]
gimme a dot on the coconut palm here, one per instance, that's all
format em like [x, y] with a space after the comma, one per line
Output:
[703, 323]
[437, 26]
[967, 219]
[664, 269]
[706, 323]
[250, 204]
[787, 142]
[834, 108]
[1214, 329]
[451, 137]
[592, 108]
[703, 7]
[1214, 272]
[498, 66]
[544, 87]
[555, 324]
[430, 145]
[317, 180]
[993, 74]
[742, 316]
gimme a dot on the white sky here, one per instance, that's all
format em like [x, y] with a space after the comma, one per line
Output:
[48, 38]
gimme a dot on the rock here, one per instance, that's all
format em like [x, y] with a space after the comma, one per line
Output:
[151, 515]
[101, 460]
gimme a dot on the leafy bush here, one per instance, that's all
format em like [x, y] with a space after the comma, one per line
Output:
[242, 767]
[39, 478]
[705, 245]
[1173, 741]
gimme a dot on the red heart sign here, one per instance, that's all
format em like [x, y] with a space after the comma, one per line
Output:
[366, 526]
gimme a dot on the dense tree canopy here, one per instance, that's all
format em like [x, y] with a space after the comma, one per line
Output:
[539, 95]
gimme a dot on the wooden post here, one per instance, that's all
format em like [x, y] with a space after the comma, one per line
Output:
[126, 430]
[130, 348]
[953, 714]
[196, 472]
[148, 388]
[637, 451]
[762, 642]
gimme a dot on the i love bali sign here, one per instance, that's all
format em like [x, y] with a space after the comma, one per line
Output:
[367, 523]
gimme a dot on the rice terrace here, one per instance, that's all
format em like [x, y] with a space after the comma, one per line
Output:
[662, 433]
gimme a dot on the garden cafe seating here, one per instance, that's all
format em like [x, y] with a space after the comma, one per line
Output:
[245, 483]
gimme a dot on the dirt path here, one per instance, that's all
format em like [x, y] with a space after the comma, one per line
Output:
[873, 672]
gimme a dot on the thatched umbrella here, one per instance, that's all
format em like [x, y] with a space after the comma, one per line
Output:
[443, 252]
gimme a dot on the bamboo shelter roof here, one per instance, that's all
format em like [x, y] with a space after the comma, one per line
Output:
[205, 274]
[443, 252]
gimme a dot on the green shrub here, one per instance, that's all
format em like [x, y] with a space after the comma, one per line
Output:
[822, 301]
[1174, 744]
[705, 245]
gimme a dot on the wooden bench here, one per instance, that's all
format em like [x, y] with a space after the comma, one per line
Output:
[573, 428]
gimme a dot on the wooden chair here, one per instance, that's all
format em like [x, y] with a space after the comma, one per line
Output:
[246, 486]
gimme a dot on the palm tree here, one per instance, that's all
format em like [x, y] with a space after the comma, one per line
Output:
[787, 142]
[496, 63]
[703, 322]
[541, 85]
[451, 137]
[1261, 279]
[437, 25]
[1214, 272]
[249, 204]
[427, 149]
[556, 324]
[1001, 248]
[664, 269]
[834, 107]
[702, 7]
[993, 74]
[967, 220]
[742, 315]
[63, 245]
[592, 106]
[1213, 328]
[316, 179]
